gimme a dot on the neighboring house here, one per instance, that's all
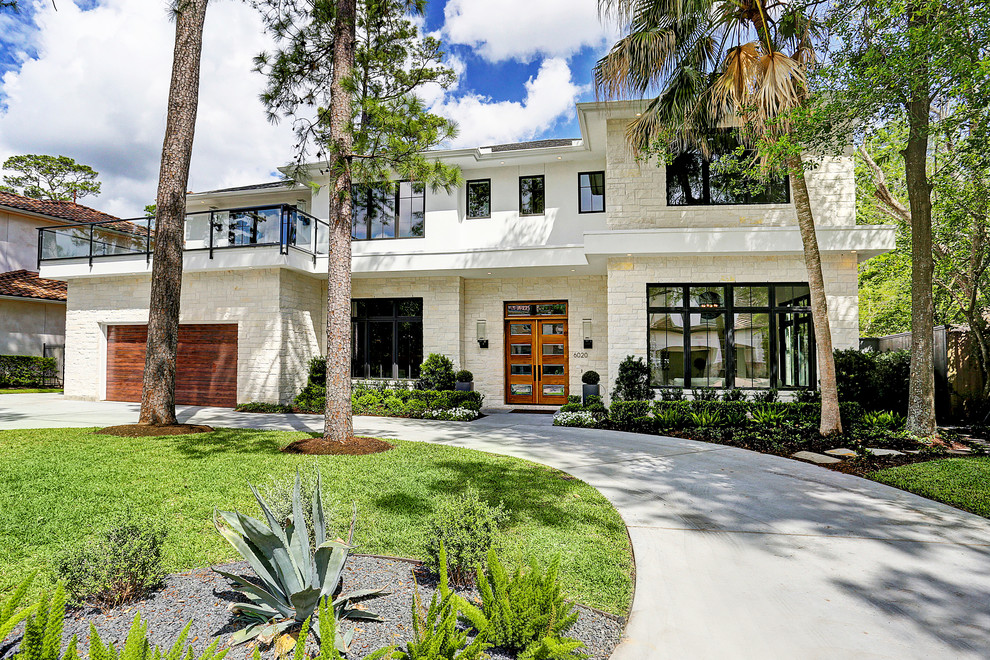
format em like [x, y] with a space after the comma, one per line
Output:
[556, 257]
[32, 309]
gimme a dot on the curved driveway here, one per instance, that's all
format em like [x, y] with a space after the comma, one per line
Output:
[738, 554]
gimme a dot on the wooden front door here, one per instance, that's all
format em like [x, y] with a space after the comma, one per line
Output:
[536, 353]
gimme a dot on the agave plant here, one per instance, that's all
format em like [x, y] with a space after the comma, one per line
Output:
[294, 578]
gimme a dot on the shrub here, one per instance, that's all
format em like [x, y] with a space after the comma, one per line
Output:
[415, 408]
[735, 394]
[312, 398]
[623, 413]
[317, 372]
[769, 416]
[368, 403]
[525, 611]
[571, 407]
[808, 396]
[27, 371]
[882, 420]
[593, 399]
[633, 381]
[706, 419]
[452, 414]
[670, 418]
[877, 381]
[671, 393]
[579, 418]
[590, 378]
[466, 526]
[573, 398]
[436, 373]
[123, 562]
[766, 396]
[464, 376]
[705, 394]
[261, 407]
[597, 409]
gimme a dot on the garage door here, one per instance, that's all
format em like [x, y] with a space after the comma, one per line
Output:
[206, 364]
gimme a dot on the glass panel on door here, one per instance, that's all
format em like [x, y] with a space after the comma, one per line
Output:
[553, 362]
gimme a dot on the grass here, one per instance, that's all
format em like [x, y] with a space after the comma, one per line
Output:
[59, 485]
[960, 482]
[29, 390]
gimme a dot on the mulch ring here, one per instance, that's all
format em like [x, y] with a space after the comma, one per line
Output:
[147, 430]
[866, 465]
[203, 597]
[355, 446]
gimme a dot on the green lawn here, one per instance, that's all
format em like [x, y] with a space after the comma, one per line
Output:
[960, 482]
[57, 485]
[29, 390]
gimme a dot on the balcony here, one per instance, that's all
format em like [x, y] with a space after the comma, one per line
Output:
[208, 232]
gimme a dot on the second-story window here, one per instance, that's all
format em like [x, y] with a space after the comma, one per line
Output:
[531, 199]
[693, 180]
[591, 192]
[391, 210]
[479, 198]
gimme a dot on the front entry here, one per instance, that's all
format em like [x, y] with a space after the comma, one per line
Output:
[536, 353]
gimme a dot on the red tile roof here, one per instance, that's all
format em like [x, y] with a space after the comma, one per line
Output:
[62, 210]
[25, 284]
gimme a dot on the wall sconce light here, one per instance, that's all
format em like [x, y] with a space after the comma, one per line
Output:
[482, 332]
[586, 330]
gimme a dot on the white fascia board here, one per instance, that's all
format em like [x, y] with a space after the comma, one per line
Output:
[29, 299]
[468, 260]
[869, 240]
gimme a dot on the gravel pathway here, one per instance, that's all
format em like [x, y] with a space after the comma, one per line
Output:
[203, 596]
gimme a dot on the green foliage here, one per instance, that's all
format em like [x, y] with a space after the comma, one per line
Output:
[317, 371]
[11, 612]
[436, 373]
[436, 635]
[464, 527]
[56, 178]
[464, 376]
[884, 420]
[633, 381]
[592, 400]
[573, 398]
[671, 393]
[403, 402]
[705, 394]
[122, 563]
[623, 414]
[807, 396]
[590, 378]
[769, 416]
[706, 418]
[262, 407]
[735, 394]
[670, 418]
[27, 370]
[571, 407]
[279, 494]
[328, 639]
[293, 579]
[520, 611]
[877, 381]
[766, 396]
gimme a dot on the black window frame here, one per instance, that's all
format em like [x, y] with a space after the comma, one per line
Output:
[728, 308]
[580, 188]
[395, 318]
[395, 205]
[543, 180]
[706, 191]
[467, 199]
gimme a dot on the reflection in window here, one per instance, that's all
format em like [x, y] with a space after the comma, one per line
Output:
[553, 328]
[521, 369]
[552, 390]
[666, 349]
[553, 370]
[386, 337]
[553, 349]
[751, 334]
[591, 192]
[519, 388]
[531, 198]
[520, 329]
[390, 210]
[479, 198]
[706, 360]
[794, 338]
[520, 349]
[694, 180]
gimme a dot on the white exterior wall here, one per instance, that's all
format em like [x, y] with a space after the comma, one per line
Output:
[629, 277]
[483, 300]
[302, 310]
[19, 241]
[27, 325]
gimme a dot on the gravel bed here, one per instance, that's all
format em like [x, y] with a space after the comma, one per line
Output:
[204, 596]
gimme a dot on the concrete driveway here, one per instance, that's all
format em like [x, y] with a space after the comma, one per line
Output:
[738, 554]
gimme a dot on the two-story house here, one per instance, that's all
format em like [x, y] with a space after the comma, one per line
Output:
[555, 257]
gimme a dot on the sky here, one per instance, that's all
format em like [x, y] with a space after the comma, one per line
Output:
[90, 81]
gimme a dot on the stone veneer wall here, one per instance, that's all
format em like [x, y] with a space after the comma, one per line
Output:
[272, 309]
[442, 305]
[628, 277]
[636, 195]
[483, 300]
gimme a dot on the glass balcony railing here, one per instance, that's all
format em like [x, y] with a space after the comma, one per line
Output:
[281, 226]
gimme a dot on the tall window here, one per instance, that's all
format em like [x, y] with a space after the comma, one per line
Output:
[389, 210]
[479, 198]
[386, 337]
[750, 336]
[719, 180]
[591, 192]
[531, 195]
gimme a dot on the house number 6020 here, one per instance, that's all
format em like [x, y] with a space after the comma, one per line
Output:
[580, 355]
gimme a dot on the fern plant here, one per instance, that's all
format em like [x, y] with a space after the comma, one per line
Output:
[435, 632]
[669, 418]
[705, 419]
[11, 613]
[328, 633]
[769, 416]
[525, 612]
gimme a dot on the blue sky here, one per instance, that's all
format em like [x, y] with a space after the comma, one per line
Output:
[91, 80]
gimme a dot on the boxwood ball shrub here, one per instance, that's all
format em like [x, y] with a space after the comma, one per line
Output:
[633, 381]
[590, 378]
[464, 376]
[436, 373]
[467, 526]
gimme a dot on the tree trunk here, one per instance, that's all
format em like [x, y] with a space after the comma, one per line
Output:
[921, 389]
[338, 425]
[158, 392]
[831, 423]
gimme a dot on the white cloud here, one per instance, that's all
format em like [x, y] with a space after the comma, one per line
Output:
[98, 91]
[550, 96]
[525, 29]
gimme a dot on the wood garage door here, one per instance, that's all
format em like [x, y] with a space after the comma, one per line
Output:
[206, 364]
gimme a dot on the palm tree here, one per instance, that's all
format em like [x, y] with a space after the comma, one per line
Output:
[714, 64]
[158, 392]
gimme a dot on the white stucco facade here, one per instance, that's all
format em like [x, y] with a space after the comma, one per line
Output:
[465, 269]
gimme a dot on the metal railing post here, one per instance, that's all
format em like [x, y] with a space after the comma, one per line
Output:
[211, 234]
[90, 245]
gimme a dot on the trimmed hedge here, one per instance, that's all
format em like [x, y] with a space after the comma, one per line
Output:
[27, 370]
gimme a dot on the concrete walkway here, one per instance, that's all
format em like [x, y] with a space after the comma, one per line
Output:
[738, 554]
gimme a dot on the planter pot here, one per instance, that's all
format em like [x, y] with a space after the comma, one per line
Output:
[464, 387]
[588, 390]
